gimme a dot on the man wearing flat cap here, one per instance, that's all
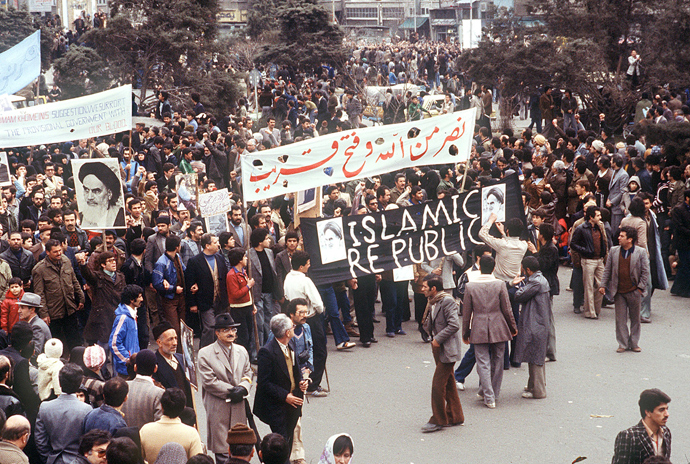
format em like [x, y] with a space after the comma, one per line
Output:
[241, 441]
[170, 371]
[225, 377]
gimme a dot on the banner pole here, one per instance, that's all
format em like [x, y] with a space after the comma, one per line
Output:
[249, 275]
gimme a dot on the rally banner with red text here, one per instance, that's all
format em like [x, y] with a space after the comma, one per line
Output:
[78, 118]
[355, 154]
[352, 246]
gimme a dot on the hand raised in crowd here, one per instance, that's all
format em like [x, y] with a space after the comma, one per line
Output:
[501, 229]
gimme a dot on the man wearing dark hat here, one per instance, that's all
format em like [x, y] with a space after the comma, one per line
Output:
[225, 374]
[27, 307]
[241, 441]
[170, 371]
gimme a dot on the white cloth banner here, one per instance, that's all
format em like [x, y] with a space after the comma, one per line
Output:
[355, 154]
[21, 64]
[79, 118]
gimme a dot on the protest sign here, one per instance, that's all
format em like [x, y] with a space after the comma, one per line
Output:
[217, 224]
[98, 187]
[5, 179]
[214, 203]
[354, 154]
[187, 340]
[79, 118]
[21, 64]
[187, 190]
[347, 247]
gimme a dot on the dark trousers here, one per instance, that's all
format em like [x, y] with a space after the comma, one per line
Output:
[143, 326]
[245, 332]
[365, 298]
[466, 365]
[507, 360]
[403, 298]
[318, 335]
[67, 331]
[578, 287]
[392, 307]
[344, 306]
[419, 307]
[173, 311]
[681, 285]
[445, 402]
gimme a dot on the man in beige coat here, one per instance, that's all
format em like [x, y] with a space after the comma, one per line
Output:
[225, 374]
[488, 323]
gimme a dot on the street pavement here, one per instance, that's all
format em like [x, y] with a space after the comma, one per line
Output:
[381, 396]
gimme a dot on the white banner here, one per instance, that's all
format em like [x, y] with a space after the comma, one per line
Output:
[79, 118]
[355, 154]
[21, 64]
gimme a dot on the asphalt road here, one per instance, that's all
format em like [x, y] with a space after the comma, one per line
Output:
[381, 396]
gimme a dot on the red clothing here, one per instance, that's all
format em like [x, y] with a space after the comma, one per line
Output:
[9, 311]
[238, 292]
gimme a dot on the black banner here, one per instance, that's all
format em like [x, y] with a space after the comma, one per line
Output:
[352, 246]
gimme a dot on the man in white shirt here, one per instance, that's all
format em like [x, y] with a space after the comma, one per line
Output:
[298, 285]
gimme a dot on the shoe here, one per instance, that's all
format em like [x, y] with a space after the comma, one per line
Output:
[390, 334]
[528, 395]
[366, 344]
[577, 310]
[425, 336]
[345, 346]
[460, 385]
[352, 332]
[550, 360]
[526, 389]
[568, 289]
[515, 365]
[375, 320]
[373, 340]
[480, 396]
[453, 425]
[298, 461]
[645, 320]
[491, 405]
[401, 332]
[620, 350]
[637, 349]
[318, 393]
[430, 428]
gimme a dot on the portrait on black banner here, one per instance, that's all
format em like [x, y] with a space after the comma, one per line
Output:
[331, 240]
[98, 187]
[494, 201]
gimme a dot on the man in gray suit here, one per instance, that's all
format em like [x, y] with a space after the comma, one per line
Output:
[238, 229]
[441, 320]
[59, 424]
[487, 308]
[617, 185]
[626, 275]
[27, 312]
[144, 400]
[262, 268]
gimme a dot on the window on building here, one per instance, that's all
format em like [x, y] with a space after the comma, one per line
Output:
[362, 12]
[393, 12]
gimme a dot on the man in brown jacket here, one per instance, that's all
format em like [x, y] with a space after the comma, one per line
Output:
[486, 308]
[61, 295]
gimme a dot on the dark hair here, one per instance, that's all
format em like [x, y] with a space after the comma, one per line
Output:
[138, 246]
[590, 212]
[145, 362]
[487, 264]
[123, 450]
[50, 244]
[206, 239]
[432, 280]
[274, 449]
[193, 226]
[235, 255]
[291, 234]
[479, 250]
[115, 392]
[200, 459]
[130, 293]
[105, 175]
[257, 236]
[239, 449]
[299, 259]
[93, 438]
[173, 402]
[255, 220]
[70, 378]
[341, 444]
[292, 306]
[172, 242]
[514, 227]
[14, 281]
[650, 399]
[531, 263]
[637, 208]
[224, 238]
[630, 232]
[105, 256]
[539, 212]
[546, 231]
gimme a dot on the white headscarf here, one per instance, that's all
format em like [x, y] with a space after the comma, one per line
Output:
[327, 457]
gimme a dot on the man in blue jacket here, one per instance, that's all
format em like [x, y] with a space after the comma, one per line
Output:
[168, 279]
[124, 338]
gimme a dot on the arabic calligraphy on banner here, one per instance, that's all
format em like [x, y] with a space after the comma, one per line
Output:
[353, 154]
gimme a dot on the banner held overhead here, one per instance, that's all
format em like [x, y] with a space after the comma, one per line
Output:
[79, 118]
[354, 154]
[21, 64]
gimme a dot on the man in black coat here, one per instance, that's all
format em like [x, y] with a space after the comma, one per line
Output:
[170, 372]
[207, 294]
[136, 274]
[279, 388]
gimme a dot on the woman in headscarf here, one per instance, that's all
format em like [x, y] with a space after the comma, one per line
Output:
[338, 450]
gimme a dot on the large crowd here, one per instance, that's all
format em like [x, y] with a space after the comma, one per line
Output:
[80, 308]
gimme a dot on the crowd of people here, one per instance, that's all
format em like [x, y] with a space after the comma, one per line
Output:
[80, 308]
